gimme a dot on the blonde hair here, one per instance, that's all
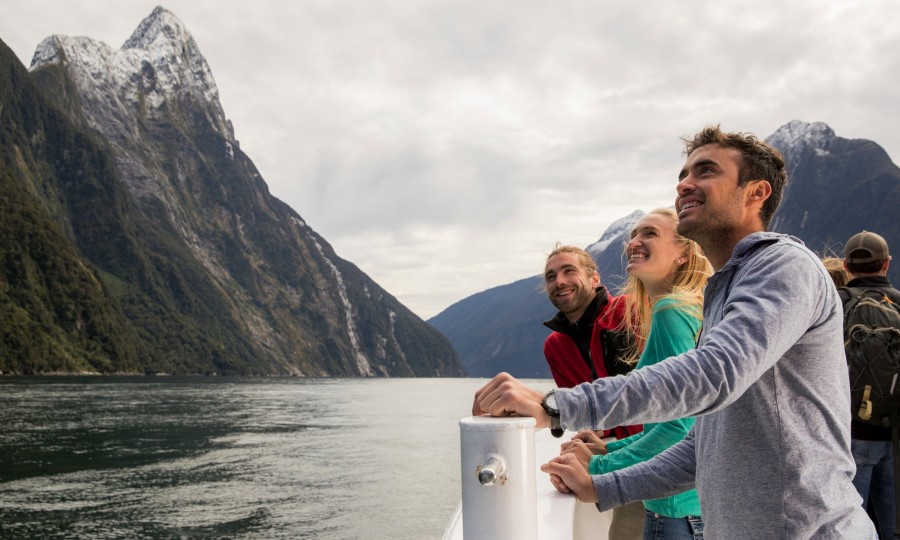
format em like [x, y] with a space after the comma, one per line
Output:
[836, 270]
[687, 290]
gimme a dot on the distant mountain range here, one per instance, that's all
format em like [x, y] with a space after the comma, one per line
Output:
[836, 188]
[138, 238]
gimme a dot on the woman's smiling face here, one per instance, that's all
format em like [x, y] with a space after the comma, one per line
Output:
[654, 253]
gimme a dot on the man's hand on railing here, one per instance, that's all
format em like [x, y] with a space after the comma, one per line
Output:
[504, 395]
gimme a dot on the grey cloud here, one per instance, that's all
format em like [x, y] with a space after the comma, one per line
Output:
[453, 142]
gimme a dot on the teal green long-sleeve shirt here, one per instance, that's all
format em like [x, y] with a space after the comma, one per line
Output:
[673, 330]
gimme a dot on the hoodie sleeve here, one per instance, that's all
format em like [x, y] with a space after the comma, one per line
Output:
[666, 474]
[750, 326]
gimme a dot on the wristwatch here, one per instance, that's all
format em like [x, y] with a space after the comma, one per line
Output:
[550, 407]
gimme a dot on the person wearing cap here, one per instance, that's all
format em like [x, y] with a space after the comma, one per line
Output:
[866, 259]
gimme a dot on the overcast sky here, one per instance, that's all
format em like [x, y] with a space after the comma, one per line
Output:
[445, 146]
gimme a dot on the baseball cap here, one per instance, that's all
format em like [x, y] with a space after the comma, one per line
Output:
[865, 247]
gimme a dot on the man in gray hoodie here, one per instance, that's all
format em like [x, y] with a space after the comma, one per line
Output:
[770, 452]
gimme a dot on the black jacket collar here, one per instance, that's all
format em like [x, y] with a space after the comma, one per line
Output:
[869, 281]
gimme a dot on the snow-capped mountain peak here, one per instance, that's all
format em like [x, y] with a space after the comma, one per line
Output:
[158, 68]
[796, 135]
[160, 23]
[615, 229]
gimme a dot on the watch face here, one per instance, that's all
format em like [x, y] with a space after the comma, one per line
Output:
[553, 411]
[550, 400]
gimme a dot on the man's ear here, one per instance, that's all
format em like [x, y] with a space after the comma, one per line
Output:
[759, 191]
[595, 279]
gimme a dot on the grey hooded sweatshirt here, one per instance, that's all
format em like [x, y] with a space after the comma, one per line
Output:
[770, 452]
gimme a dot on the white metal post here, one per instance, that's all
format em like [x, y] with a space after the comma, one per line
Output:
[499, 498]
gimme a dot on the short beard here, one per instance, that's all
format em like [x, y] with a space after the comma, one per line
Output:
[586, 296]
[706, 237]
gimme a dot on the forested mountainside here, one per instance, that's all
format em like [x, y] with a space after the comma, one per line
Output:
[138, 238]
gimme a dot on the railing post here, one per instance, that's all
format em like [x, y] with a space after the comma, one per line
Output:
[499, 498]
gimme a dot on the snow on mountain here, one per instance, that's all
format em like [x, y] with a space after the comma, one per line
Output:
[157, 68]
[615, 230]
[205, 270]
[792, 137]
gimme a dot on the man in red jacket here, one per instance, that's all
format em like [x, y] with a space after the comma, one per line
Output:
[586, 344]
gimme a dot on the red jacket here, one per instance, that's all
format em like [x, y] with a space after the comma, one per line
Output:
[570, 368]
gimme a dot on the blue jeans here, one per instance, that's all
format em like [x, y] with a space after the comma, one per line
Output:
[875, 479]
[657, 527]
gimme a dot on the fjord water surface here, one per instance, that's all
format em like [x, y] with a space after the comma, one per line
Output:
[215, 457]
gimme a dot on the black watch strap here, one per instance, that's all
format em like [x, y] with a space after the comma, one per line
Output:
[553, 412]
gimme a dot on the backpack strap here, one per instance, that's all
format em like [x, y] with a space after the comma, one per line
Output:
[853, 295]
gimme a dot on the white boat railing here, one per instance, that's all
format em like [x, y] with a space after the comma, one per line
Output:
[504, 494]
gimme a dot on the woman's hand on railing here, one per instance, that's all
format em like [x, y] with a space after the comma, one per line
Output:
[568, 476]
[578, 449]
[592, 440]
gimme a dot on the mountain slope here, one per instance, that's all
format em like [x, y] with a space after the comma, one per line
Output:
[213, 274]
[56, 314]
[837, 187]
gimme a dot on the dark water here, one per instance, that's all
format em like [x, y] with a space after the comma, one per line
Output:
[148, 457]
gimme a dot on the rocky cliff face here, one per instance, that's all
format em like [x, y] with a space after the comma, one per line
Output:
[212, 273]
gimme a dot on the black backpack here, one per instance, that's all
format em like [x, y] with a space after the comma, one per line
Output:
[872, 344]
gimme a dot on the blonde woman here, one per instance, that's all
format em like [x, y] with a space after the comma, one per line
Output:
[664, 294]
